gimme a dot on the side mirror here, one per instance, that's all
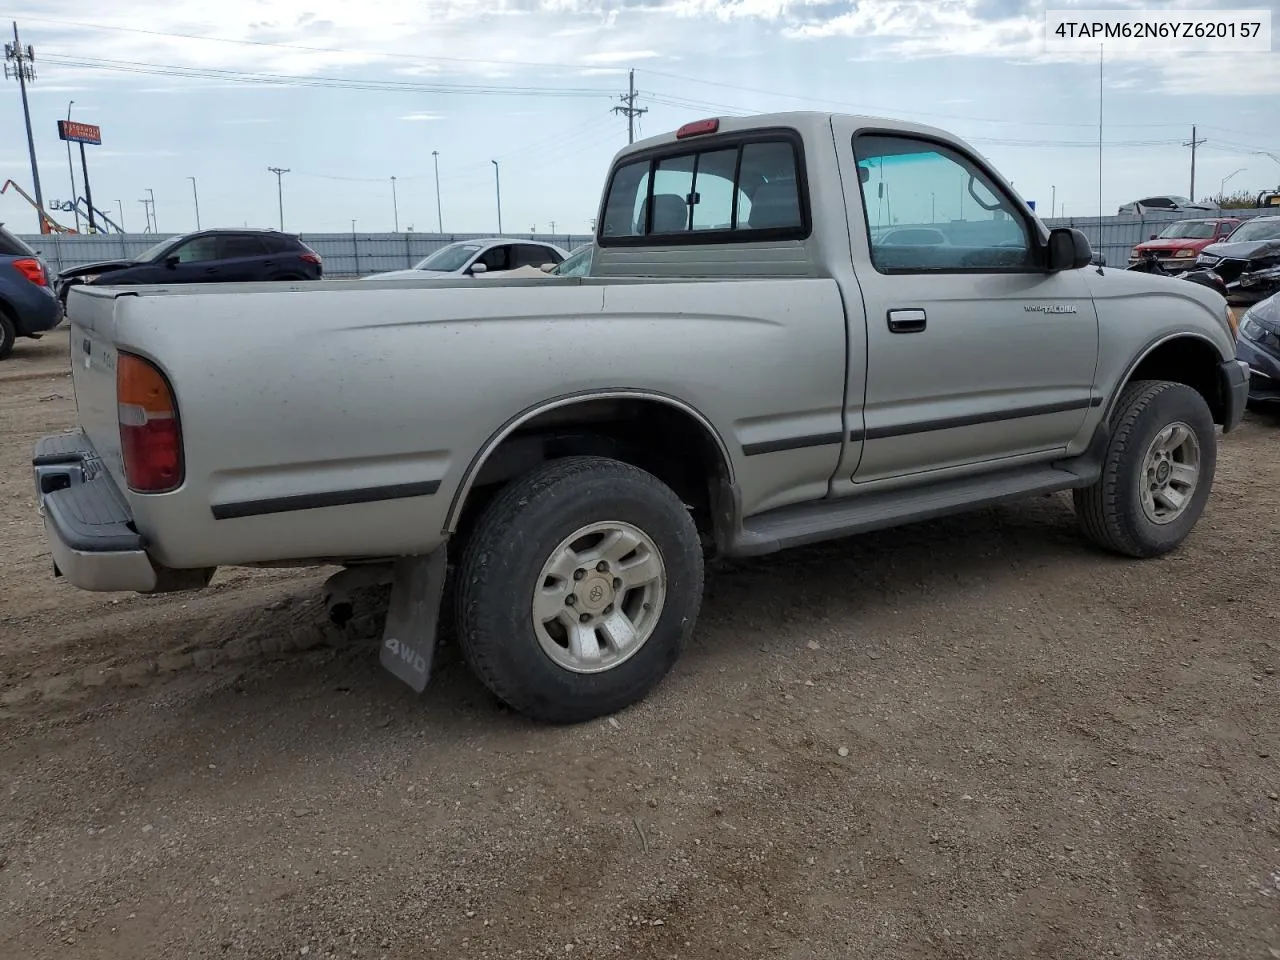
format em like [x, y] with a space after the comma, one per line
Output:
[171, 262]
[478, 267]
[547, 267]
[1152, 237]
[1067, 249]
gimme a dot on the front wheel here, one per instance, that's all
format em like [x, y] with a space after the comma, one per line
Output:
[578, 589]
[1158, 471]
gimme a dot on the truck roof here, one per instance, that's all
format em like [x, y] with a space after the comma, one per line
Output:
[807, 122]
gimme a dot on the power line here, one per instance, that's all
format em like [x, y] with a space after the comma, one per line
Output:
[295, 80]
[298, 47]
[895, 112]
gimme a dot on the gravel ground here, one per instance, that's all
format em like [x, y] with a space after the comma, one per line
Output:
[975, 738]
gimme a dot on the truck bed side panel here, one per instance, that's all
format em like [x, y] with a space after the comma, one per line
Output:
[337, 421]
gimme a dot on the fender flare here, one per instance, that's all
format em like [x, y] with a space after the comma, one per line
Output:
[567, 400]
[1150, 348]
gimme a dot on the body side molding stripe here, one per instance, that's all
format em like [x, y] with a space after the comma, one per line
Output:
[791, 443]
[975, 419]
[329, 498]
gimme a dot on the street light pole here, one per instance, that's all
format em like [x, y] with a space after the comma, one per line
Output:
[395, 206]
[1053, 204]
[435, 157]
[196, 197]
[497, 183]
[120, 207]
[155, 223]
[1222, 184]
[71, 172]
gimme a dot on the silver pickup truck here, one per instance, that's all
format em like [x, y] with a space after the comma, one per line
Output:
[796, 327]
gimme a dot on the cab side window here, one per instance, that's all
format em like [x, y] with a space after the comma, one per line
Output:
[929, 208]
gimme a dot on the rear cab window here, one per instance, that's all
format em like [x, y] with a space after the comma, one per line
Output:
[719, 189]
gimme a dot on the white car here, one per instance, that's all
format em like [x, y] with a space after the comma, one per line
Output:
[472, 257]
[1164, 203]
[577, 264]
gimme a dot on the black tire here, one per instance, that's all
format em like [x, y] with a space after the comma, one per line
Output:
[8, 334]
[1110, 512]
[517, 534]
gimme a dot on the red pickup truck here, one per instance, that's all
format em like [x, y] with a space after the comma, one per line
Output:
[1178, 244]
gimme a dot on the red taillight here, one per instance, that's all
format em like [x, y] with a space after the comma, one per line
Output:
[33, 270]
[698, 127]
[150, 436]
[310, 258]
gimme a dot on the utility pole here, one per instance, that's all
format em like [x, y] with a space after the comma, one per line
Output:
[1193, 143]
[435, 157]
[629, 108]
[146, 210]
[497, 183]
[395, 206]
[71, 172]
[155, 221]
[120, 207]
[280, 172]
[196, 197]
[23, 67]
[553, 227]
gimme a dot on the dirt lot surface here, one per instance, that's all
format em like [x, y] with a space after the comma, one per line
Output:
[968, 739]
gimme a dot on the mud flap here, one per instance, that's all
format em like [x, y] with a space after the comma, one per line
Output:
[409, 638]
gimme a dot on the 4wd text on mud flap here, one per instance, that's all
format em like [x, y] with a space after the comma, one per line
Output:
[405, 652]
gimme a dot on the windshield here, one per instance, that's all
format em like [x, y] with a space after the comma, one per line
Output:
[1188, 230]
[151, 253]
[1268, 229]
[449, 258]
[575, 265]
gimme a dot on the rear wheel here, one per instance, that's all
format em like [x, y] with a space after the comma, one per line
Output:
[578, 588]
[1158, 471]
[8, 334]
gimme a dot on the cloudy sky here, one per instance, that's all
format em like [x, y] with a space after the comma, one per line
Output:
[347, 95]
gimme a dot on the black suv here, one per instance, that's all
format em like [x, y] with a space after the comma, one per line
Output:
[207, 256]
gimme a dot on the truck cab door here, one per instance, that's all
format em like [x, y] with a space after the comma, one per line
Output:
[977, 357]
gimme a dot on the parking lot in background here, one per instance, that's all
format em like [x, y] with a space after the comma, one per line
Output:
[970, 738]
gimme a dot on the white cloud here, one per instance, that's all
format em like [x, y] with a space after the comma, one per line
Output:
[422, 116]
[620, 56]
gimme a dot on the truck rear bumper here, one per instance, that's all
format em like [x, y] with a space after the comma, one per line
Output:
[87, 522]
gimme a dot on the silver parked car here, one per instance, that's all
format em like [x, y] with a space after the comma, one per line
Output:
[470, 257]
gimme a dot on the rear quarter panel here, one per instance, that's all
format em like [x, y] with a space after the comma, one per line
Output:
[286, 390]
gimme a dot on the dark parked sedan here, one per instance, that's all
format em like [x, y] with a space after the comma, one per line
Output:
[1258, 345]
[27, 305]
[1248, 260]
[209, 256]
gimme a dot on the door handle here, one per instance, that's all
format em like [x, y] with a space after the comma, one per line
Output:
[906, 321]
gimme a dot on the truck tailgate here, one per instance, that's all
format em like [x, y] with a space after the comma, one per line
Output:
[93, 371]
